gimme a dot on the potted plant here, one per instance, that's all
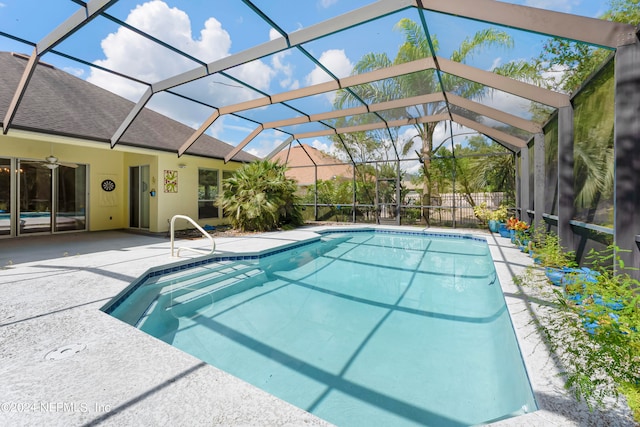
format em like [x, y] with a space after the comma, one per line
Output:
[497, 217]
[553, 258]
[511, 226]
[492, 217]
[519, 232]
[594, 327]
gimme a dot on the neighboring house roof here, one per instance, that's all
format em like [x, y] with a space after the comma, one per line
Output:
[58, 103]
[305, 155]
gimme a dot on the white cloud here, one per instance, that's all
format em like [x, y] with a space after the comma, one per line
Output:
[287, 82]
[78, 72]
[286, 69]
[325, 147]
[274, 34]
[264, 147]
[327, 3]
[256, 73]
[336, 61]
[412, 168]
[153, 63]
[496, 62]
[512, 104]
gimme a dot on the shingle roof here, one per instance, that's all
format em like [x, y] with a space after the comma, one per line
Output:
[58, 103]
[299, 156]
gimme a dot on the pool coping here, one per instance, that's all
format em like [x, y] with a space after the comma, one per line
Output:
[542, 390]
[50, 299]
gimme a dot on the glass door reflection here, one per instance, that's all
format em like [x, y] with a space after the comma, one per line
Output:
[34, 201]
[5, 197]
[71, 188]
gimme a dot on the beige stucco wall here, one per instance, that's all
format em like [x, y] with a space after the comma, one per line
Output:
[185, 201]
[107, 211]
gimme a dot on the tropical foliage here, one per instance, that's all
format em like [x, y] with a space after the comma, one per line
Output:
[593, 327]
[593, 149]
[375, 185]
[259, 197]
[416, 46]
[569, 63]
[483, 213]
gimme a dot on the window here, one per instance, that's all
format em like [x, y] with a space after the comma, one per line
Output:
[208, 188]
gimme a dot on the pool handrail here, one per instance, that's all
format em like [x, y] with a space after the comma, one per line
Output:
[204, 233]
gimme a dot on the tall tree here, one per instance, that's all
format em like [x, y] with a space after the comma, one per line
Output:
[570, 63]
[416, 46]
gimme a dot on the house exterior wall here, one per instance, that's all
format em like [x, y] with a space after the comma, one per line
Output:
[110, 211]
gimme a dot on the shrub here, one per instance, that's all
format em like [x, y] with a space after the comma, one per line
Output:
[483, 213]
[259, 197]
[550, 253]
[594, 330]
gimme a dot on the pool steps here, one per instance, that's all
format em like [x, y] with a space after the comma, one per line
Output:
[185, 291]
[204, 276]
[154, 286]
[215, 287]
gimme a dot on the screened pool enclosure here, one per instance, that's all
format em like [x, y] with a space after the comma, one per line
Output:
[455, 111]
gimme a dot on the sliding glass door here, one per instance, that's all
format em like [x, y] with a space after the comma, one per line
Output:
[35, 199]
[49, 199]
[5, 196]
[70, 186]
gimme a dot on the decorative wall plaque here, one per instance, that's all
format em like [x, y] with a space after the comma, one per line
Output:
[108, 185]
[170, 181]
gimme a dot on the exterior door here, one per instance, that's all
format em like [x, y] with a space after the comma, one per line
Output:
[49, 200]
[35, 200]
[139, 198]
[6, 199]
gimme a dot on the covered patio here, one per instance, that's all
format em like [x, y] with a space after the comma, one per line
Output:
[453, 91]
[65, 362]
[573, 153]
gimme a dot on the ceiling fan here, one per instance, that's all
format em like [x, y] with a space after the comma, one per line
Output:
[51, 162]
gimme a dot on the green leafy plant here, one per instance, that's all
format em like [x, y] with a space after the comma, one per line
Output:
[485, 214]
[549, 251]
[259, 197]
[594, 329]
[499, 214]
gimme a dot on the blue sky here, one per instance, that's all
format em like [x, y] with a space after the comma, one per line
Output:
[210, 30]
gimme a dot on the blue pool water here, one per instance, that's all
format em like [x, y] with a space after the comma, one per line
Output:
[363, 328]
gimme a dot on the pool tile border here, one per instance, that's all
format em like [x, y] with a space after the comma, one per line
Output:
[111, 305]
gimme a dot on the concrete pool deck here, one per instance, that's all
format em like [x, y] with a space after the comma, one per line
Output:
[64, 362]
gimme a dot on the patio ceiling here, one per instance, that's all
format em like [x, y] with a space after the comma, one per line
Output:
[292, 118]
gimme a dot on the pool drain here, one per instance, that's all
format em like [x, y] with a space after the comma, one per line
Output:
[65, 351]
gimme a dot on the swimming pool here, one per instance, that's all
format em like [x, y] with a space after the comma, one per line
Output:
[359, 328]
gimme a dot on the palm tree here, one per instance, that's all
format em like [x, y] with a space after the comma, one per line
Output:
[259, 197]
[416, 46]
